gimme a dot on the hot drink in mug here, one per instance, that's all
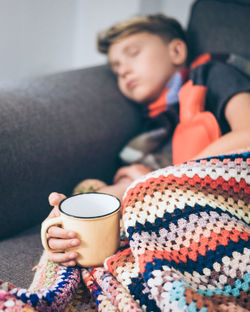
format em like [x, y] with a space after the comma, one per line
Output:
[95, 218]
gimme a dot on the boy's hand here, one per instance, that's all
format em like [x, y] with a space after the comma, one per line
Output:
[132, 172]
[60, 239]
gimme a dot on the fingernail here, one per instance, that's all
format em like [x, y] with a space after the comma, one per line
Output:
[72, 264]
[71, 234]
[72, 256]
[53, 197]
[74, 242]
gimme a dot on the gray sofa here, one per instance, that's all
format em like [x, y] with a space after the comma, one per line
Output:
[59, 129]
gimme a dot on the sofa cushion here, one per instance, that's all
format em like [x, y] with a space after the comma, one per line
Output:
[18, 255]
[56, 131]
[219, 26]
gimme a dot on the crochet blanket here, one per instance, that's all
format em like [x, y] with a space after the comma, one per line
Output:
[186, 248]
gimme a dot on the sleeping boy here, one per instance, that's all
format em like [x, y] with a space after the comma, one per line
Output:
[195, 111]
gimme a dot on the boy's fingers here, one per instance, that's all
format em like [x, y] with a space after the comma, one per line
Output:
[133, 172]
[122, 172]
[55, 212]
[62, 244]
[55, 198]
[57, 232]
[60, 239]
[67, 258]
[69, 264]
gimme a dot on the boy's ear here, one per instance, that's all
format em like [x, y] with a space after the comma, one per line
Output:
[178, 52]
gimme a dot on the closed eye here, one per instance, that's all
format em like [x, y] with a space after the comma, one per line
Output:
[133, 51]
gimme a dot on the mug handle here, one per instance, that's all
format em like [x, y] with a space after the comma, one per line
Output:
[45, 226]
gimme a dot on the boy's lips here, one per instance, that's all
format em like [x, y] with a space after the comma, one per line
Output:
[131, 83]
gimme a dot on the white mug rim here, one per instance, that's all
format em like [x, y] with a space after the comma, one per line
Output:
[94, 217]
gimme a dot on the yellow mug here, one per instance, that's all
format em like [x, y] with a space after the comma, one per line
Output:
[95, 218]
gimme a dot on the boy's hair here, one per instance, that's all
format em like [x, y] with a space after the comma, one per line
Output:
[165, 27]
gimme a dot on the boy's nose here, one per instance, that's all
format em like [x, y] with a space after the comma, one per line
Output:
[124, 70]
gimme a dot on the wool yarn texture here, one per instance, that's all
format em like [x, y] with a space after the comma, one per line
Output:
[185, 247]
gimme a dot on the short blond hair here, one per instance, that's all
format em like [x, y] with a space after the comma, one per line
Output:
[165, 27]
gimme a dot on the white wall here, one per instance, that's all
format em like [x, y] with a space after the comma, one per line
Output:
[35, 36]
[178, 9]
[92, 17]
[44, 36]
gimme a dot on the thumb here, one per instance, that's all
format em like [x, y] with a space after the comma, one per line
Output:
[55, 198]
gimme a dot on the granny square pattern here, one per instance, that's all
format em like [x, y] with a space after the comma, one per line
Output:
[185, 247]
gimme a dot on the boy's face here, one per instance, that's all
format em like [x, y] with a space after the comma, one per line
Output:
[143, 65]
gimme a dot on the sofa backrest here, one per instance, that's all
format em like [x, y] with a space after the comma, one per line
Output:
[220, 26]
[56, 131]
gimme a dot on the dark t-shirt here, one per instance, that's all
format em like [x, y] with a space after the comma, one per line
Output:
[222, 81]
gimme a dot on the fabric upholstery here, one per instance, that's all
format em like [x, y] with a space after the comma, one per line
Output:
[56, 131]
[19, 255]
[219, 26]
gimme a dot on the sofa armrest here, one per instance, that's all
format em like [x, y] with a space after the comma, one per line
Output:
[55, 131]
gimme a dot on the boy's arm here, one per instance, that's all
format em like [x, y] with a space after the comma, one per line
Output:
[123, 178]
[237, 113]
